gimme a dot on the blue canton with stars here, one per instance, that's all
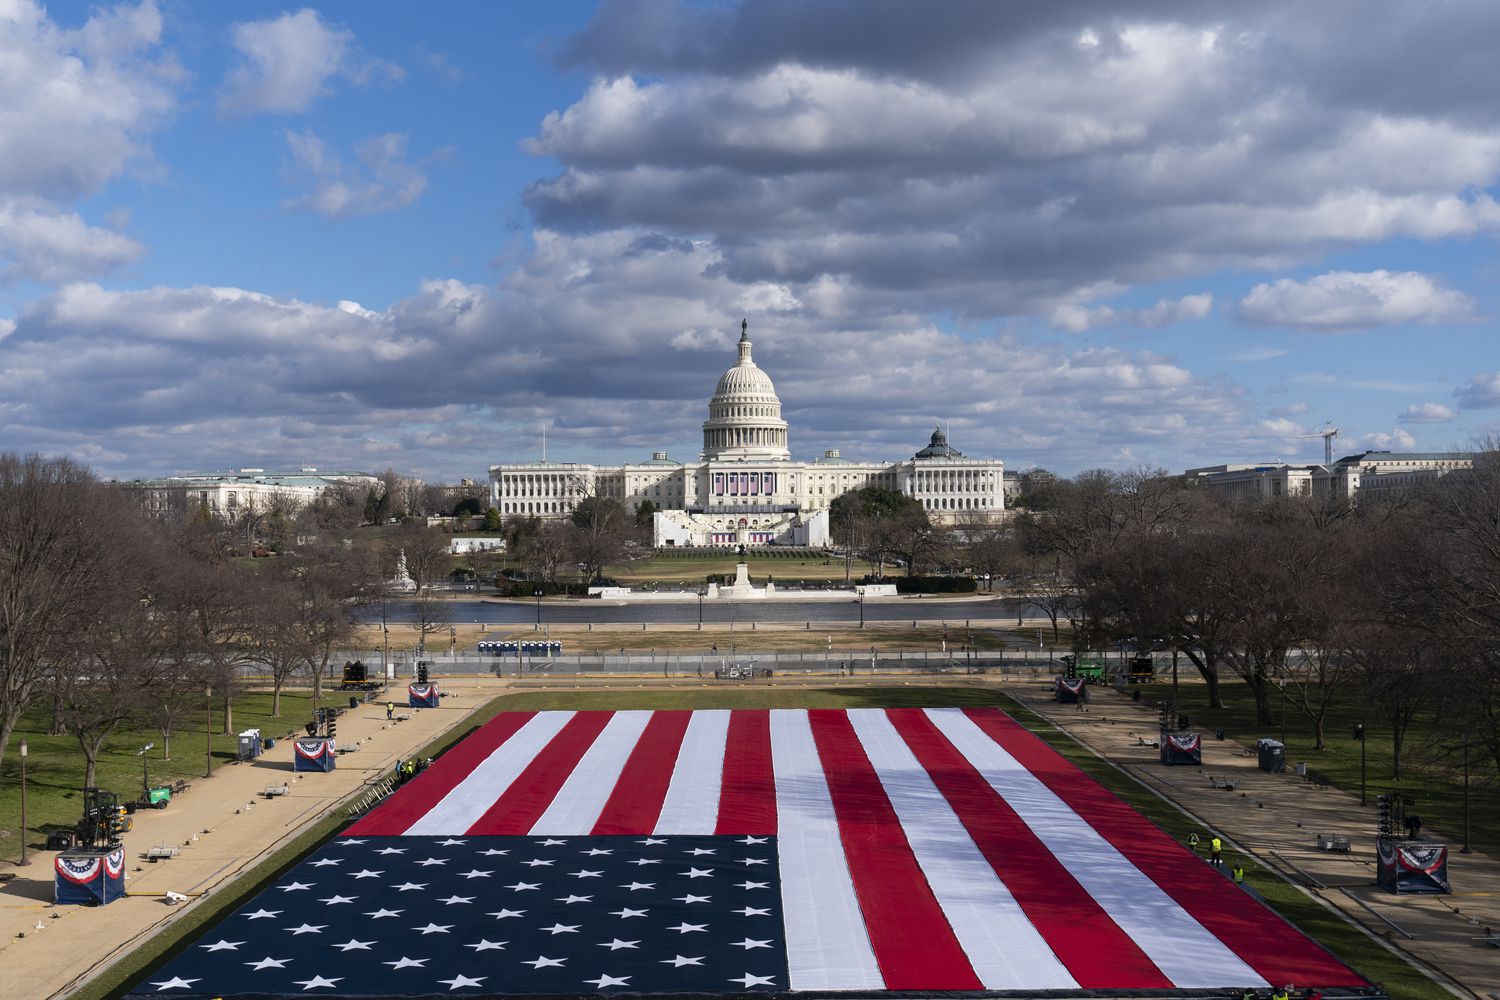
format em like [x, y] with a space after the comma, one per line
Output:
[492, 916]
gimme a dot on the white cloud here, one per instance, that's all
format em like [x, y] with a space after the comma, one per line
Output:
[1291, 410]
[1396, 440]
[380, 179]
[1480, 392]
[288, 62]
[1076, 318]
[49, 247]
[1349, 300]
[1426, 413]
[78, 105]
[1259, 354]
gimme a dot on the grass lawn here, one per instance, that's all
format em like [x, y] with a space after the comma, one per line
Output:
[1401, 980]
[1432, 774]
[54, 769]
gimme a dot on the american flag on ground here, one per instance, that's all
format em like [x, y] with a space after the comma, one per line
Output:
[718, 852]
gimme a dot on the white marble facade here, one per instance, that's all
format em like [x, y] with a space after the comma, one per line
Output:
[745, 488]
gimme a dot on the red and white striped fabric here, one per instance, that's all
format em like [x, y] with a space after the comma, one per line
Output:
[919, 849]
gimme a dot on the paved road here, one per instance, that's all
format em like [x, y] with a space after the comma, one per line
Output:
[578, 612]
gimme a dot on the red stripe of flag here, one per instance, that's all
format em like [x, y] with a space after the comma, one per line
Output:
[1096, 951]
[747, 799]
[636, 801]
[909, 933]
[396, 814]
[1273, 948]
[518, 808]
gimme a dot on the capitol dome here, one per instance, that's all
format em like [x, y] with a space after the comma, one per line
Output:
[744, 415]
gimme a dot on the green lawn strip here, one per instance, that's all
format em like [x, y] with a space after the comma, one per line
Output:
[1329, 928]
[1432, 771]
[174, 938]
[54, 767]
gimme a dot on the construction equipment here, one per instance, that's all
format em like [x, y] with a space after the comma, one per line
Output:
[151, 798]
[357, 677]
[1328, 433]
[105, 821]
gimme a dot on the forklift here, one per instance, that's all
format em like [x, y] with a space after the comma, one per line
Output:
[105, 822]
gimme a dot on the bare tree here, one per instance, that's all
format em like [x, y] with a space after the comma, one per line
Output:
[426, 551]
[430, 618]
[56, 523]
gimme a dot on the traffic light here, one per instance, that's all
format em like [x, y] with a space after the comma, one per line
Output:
[1359, 731]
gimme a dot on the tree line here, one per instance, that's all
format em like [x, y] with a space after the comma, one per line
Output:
[1390, 606]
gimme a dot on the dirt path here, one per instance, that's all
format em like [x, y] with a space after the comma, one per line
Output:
[222, 826]
[1278, 817]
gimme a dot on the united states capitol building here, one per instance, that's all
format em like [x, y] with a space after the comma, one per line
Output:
[745, 488]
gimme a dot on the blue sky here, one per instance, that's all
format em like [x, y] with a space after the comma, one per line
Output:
[372, 235]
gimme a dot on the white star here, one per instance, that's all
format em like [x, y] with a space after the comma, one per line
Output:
[407, 886]
[458, 899]
[651, 840]
[697, 872]
[646, 861]
[433, 861]
[748, 943]
[751, 911]
[617, 944]
[700, 850]
[537, 862]
[748, 980]
[221, 945]
[680, 961]
[575, 899]
[308, 929]
[450, 842]
[462, 980]
[754, 885]
[295, 886]
[175, 983]
[552, 842]
[393, 850]
[383, 912]
[432, 928]
[485, 944]
[543, 962]
[585, 873]
[753, 840]
[353, 945]
[316, 981]
[608, 980]
[476, 873]
[563, 928]
[335, 900]
[753, 861]
[263, 913]
[627, 913]
[269, 963]
[690, 898]
[596, 851]
[407, 963]
[687, 928]
[523, 886]
[366, 873]
[349, 840]
[502, 914]
[325, 862]
[492, 853]
[639, 885]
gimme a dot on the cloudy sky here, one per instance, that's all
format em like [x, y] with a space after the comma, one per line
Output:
[1079, 234]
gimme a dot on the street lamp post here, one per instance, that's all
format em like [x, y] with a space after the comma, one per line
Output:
[538, 609]
[1363, 741]
[1465, 850]
[701, 595]
[208, 730]
[861, 610]
[24, 750]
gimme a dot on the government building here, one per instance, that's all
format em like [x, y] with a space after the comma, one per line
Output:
[745, 489]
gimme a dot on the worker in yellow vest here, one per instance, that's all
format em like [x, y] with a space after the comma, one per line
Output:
[1238, 871]
[1216, 848]
[1285, 993]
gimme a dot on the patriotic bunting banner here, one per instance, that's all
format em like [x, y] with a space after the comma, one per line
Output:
[421, 696]
[723, 852]
[314, 754]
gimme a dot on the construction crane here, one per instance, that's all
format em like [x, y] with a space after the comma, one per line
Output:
[1328, 433]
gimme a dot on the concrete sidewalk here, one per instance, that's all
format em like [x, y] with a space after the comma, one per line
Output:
[221, 827]
[1278, 817]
